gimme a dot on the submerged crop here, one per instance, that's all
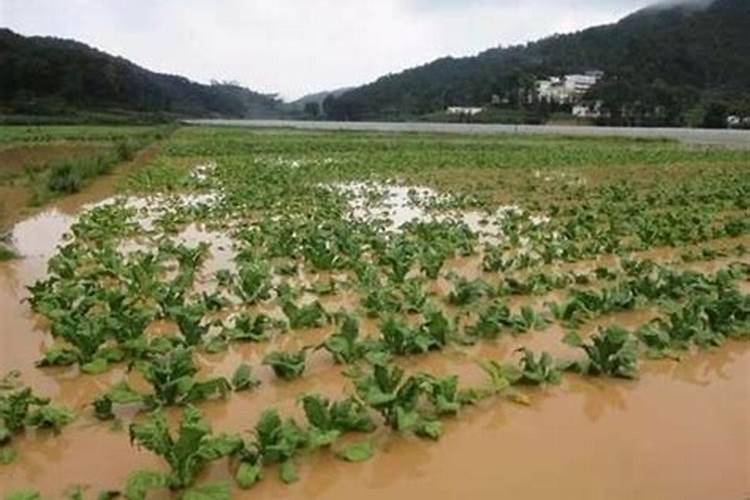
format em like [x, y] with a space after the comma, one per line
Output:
[313, 291]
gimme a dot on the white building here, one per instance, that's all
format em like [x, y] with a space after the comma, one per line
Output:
[553, 90]
[463, 110]
[736, 121]
[567, 89]
[588, 110]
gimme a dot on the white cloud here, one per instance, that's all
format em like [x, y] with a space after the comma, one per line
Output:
[296, 47]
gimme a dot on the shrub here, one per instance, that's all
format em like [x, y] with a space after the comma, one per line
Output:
[125, 151]
[64, 178]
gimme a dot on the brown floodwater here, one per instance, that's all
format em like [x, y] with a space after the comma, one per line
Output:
[682, 431]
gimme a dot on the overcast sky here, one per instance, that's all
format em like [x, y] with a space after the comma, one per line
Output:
[294, 47]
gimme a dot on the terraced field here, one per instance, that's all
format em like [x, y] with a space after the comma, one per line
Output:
[293, 314]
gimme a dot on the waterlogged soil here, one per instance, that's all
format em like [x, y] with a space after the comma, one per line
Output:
[682, 431]
[16, 195]
[14, 159]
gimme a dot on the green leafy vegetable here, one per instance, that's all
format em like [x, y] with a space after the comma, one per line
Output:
[358, 452]
[243, 378]
[613, 351]
[287, 365]
[187, 452]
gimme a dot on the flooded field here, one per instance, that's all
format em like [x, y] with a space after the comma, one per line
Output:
[563, 332]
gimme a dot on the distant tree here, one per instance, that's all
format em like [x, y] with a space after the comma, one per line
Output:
[616, 96]
[716, 115]
[329, 105]
[45, 75]
[312, 109]
[659, 63]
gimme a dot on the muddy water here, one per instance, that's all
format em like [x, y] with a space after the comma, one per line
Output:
[401, 204]
[680, 432]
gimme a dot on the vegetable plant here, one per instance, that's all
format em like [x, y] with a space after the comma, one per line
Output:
[613, 351]
[187, 451]
[287, 365]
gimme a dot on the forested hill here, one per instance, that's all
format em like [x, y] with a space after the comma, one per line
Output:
[662, 61]
[52, 75]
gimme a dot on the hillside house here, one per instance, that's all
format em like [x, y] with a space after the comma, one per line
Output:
[588, 110]
[463, 110]
[568, 89]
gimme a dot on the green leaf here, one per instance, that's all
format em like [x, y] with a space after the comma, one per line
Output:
[216, 345]
[108, 495]
[288, 472]
[140, 482]
[320, 439]
[431, 429]
[305, 316]
[278, 440]
[200, 391]
[243, 378]
[497, 374]
[23, 495]
[95, 367]
[8, 455]
[193, 448]
[285, 365]
[316, 410]
[248, 474]
[15, 409]
[358, 452]
[212, 491]
[59, 356]
[222, 445]
[10, 380]
[103, 408]
[74, 493]
[350, 415]
[50, 417]
[573, 339]
[122, 393]
[406, 420]
[190, 322]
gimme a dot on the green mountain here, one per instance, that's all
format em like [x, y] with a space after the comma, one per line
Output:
[318, 97]
[664, 65]
[45, 75]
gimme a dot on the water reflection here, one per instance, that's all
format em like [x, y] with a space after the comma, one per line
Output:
[600, 395]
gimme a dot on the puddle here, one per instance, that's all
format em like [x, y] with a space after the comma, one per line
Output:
[399, 205]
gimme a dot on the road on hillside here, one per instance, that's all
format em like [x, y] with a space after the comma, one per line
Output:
[733, 138]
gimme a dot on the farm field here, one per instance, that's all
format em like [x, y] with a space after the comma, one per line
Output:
[41, 163]
[313, 314]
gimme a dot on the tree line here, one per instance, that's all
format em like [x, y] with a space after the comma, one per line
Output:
[672, 66]
[45, 75]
